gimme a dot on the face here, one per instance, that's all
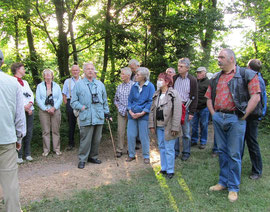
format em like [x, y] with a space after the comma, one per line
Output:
[89, 71]
[133, 67]
[75, 71]
[164, 84]
[170, 72]
[21, 71]
[223, 60]
[201, 75]
[48, 75]
[124, 77]
[182, 68]
[139, 77]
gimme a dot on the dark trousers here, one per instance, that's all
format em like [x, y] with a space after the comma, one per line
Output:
[253, 146]
[71, 124]
[26, 142]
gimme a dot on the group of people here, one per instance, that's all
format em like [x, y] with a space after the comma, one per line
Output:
[180, 105]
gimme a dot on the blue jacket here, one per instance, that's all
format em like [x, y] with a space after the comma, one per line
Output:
[41, 95]
[138, 102]
[82, 96]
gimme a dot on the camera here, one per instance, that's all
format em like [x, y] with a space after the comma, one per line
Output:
[49, 100]
[159, 115]
[26, 95]
[95, 98]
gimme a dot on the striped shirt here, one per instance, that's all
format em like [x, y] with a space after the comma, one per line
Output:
[182, 85]
[121, 97]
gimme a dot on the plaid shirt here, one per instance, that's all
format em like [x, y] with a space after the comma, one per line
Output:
[224, 100]
[121, 97]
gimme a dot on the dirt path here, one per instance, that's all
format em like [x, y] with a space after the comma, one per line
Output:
[58, 176]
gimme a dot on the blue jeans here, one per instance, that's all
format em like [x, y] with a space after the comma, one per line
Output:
[215, 148]
[135, 126]
[166, 149]
[201, 117]
[253, 146]
[185, 138]
[229, 135]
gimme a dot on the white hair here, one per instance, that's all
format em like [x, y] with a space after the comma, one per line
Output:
[144, 71]
[185, 61]
[88, 63]
[133, 61]
[170, 68]
[47, 70]
[201, 69]
[126, 70]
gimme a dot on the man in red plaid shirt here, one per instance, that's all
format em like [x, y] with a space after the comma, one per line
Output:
[231, 96]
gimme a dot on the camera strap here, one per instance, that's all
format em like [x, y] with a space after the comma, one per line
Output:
[51, 88]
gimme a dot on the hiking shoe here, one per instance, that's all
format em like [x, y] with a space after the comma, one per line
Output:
[118, 154]
[29, 158]
[146, 160]
[129, 159]
[202, 146]
[184, 157]
[45, 154]
[217, 187]
[58, 153]
[19, 160]
[233, 196]
[255, 176]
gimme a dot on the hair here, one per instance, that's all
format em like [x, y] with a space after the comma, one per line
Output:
[186, 61]
[75, 65]
[167, 78]
[126, 70]
[88, 63]
[47, 70]
[230, 54]
[255, 65]
[15, 66]
[145, 72]
[133, 61]
[201, 69]
[170, 68]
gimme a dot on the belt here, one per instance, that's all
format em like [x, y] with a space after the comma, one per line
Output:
[228, 111]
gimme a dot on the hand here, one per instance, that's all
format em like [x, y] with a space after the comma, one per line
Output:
[83, 108]
[190, 117]
[153, 131]
[27, 107]
[30, 112]
[108, 117]
[51, 110]
[18, 146]
[174, 133]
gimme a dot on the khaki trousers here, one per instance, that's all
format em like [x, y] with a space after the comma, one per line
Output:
[9, 177]
[122, 125]
[50, 122]
[89, 143]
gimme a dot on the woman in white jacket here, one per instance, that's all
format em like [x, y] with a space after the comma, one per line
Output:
[18, 71]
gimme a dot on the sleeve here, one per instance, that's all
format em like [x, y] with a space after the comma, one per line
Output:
[65, 88]
[74, 102]
[40, 103]
[177, 112]
[20, 121]
[59, 100]
[254, 86]
[30, 92]
[208, 92]
[150, 98]
[151, 123]
[130, 98]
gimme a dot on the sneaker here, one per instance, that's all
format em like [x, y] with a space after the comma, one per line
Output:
[118, 154]
[29, 158]
[146, 160]
[58, 153]
[233, 196]
[45, 154]
[217, 187]
[19, 160]
[255, 176]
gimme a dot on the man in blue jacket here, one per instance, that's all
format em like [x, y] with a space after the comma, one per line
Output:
[90, 98]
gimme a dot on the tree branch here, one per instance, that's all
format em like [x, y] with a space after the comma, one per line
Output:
[88, 45]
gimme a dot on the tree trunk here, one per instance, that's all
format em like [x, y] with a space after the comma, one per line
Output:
[62, 49]
[107, 41]
[75, 55]
[16, 19]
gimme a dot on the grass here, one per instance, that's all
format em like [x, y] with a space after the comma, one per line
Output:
[187, 191]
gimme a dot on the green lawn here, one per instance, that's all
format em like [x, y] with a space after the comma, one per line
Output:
[187, 191]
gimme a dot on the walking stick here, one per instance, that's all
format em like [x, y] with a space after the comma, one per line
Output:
[112, 142]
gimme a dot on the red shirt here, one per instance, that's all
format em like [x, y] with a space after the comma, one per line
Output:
[224, 100]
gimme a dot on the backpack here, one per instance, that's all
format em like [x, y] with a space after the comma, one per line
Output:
[260, 109]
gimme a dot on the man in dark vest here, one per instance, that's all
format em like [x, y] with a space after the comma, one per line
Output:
[231, 96]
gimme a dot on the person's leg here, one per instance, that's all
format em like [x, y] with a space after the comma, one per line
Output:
[253, 146]
[195, 128]
[9, 177]
[71, 124]
[45, 122]
[56, 121]
[86, 135]
[220, 138]
[186, 136]
[121, 131]
[169, 149]
[161, 146]
[177, 147]
[144, 137]
[132, 131]
[235, 129]
[204, 117]
[27, 139]
[97, 134]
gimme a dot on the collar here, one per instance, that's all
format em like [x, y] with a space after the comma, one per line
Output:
[144, 84]
[73, 78]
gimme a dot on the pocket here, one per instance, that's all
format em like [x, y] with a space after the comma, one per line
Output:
[83, 115]
[100, 114]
